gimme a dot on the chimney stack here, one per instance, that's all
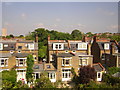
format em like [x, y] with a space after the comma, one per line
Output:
[95, 38]
[36, 38]
[48, 37]
[89, 49]
[84, 39]
[112, 50]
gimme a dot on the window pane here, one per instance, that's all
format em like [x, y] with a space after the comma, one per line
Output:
[67, 61]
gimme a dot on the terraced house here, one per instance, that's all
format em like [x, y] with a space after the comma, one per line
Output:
[106, 52]
[65, 54]
[14, 55]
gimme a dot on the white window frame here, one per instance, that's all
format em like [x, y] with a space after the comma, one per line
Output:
[18, 62]
[82, 46]
[64, 63]
[66, 73]
[51, 74]
[5, 45]
[51, 58]
[83, 59]
[106, 46]
[5, 65]
[1, 46]
[54, 45]
[29, 46]
[35, 75]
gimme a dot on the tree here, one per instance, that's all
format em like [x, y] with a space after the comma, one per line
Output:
[30, 63]
[89, 34]
[113, 70]
[43, 82]
[86, 74]
[42, 52]
[9, 78]
[76, 34]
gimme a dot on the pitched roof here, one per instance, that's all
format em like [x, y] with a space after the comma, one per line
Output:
[65, 55]
[20, 55]
[101, 45]
[38, 67]
[5, 55]
[98, 67]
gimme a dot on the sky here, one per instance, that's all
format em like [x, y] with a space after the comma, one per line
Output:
[24, 17]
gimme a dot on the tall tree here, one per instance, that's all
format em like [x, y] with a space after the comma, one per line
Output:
[76, 34]
[30, 63]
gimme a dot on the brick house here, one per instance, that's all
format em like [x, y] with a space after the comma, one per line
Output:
[105, 51]
[65, 54]
[14, 55]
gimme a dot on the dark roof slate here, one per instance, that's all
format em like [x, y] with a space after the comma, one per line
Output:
[98, 68]
[38, 67]
[21, 55]
[65, 55]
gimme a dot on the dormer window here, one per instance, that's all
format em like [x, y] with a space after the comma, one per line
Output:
[82, 46]
[58, 46]
[6, 45]
[106, 46]
[31, 46]
[66, 51]
[11, 51]
[19, 51]
[1, 46]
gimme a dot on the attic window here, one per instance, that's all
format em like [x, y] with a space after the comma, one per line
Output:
[6, 45]
[82, 46]
[48, 66]
[36, 67]
[58, 46]
[106, 46]
[1, 46]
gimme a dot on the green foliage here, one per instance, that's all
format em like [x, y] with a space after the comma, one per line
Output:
[30, 63]
[19, 84]
[110, 79]
[113, 70]
[8, 78]
[89, 34]
[74, 76]
[43, 82]
[115, 37]
[42, 52]
[76, 35]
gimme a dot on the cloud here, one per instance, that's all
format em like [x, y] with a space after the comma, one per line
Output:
[23, 15]
[40, 25]
[105, 12]
[112, 27]
[81, 25]
[58, 19]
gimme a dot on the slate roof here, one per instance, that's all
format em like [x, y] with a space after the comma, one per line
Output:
[98, 67]
[38, 67]
[116, 74]
[101, 45]
[21, 55]
[65, 55]
[5, 55]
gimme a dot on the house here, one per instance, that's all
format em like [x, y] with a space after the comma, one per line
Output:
[103, 51]
[66, 54]
[14, 55]
[100, 70]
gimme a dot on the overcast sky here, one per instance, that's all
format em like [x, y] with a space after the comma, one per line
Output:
[23, 17]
